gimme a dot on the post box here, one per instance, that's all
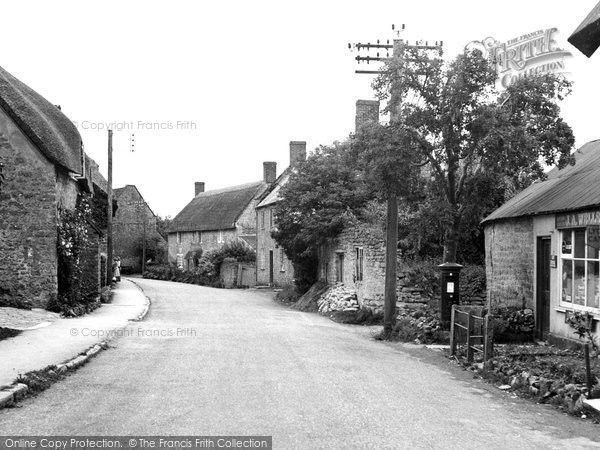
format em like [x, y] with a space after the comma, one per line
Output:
[450, 285]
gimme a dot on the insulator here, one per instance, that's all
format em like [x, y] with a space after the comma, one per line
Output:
[393, 27]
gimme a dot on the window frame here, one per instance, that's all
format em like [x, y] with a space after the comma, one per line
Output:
[563, 257]
[359, 267]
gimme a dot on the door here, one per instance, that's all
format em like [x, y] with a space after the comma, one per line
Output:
[271, 267]
[542, 313]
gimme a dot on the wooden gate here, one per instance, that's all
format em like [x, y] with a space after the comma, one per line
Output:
[472, 327]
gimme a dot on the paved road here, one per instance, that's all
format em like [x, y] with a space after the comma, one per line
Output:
[244, 365]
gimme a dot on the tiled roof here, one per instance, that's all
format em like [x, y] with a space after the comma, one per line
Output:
[573, 187]
[49, 129]
[216, 210]
[272, 196]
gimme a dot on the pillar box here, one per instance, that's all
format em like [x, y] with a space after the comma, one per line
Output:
[450, 284]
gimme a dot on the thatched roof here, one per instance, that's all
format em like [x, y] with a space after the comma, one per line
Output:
[47, 127]
[216, 210]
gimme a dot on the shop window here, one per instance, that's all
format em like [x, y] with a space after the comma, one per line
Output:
[580, 281]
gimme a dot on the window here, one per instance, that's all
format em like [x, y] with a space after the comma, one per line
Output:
[198, 237]
[220, 238]
[262, 219]
[178, 237]
[359, 264]
[271, 218]
[340, 267]
[580, 282]
[282, 260]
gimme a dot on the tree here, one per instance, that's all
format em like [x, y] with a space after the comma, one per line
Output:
[162, 226]
[464, 130]
[390, 166]
[314, 203]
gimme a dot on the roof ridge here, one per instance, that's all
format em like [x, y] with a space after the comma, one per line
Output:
[238, 187]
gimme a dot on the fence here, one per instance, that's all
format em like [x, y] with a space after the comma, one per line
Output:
[475, 327]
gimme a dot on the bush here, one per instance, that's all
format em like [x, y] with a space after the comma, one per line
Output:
[207, 273]
[513, 324]
[288, 295]
[472, 284]
[425, 275]
[421, 324]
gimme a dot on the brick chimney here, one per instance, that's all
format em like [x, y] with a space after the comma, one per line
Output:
[269, 172]
[367, 111]
[297, 152]
[199, 187]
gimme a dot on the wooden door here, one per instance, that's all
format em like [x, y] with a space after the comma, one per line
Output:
[542, 313]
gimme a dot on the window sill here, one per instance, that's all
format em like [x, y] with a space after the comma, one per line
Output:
[564, 309]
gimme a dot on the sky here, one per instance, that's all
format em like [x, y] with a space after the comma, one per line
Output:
[210, 90]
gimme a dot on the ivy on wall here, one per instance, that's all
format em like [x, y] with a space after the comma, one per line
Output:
[75, 296]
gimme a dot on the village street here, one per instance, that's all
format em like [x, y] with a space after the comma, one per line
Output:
[242, 364]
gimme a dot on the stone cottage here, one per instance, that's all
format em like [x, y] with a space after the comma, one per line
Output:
[134, 221]
[272, 265]
[215, 217]
[356, 257]
[44, 171]
[542, 247]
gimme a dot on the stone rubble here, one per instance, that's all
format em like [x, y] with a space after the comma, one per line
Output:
[338, 298]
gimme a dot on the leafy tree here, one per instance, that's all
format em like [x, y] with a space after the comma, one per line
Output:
[156, 250]
[162, 225]
[467, 132]
[390, 166]
[314, 202]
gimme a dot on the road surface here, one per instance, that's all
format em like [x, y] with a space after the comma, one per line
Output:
[229, 362]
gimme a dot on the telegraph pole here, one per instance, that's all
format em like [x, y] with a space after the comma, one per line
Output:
[109, 221]
[397, 46]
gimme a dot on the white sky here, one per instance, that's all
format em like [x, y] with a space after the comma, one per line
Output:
[252, 75]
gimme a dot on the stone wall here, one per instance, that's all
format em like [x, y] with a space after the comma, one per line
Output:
[369, 290]
[235, 275]
[28, 208]
[283, 269]
[509, 260]
[189, 241]
[128, 227]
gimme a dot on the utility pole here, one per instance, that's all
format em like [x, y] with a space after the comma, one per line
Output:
[391, 249]
[109, 221]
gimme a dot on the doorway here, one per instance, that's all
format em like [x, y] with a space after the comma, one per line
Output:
[542, 310]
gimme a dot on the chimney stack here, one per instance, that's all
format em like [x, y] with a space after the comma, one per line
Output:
[269, 172]
[297, 152]
[199, 187]
[367, 111]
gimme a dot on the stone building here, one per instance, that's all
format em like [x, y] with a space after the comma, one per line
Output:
[44, 170]
[542, 247]
[356, 257]
[215, 217]
[272, 265]
[134, 221]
